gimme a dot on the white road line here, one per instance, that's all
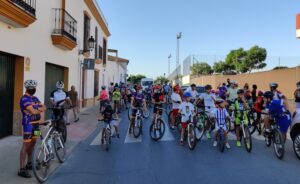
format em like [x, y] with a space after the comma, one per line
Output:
[168, 136]
[131, 139]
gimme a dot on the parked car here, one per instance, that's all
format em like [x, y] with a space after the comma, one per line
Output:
[295, 133]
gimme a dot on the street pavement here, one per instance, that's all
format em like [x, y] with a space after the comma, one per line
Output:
[142, 160]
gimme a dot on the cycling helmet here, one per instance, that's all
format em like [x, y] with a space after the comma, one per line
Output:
[269, 94]
[103, 87]
[260, 93]
[208, 87]
[29, 84]
[219, 100]
[60, 84]
[273, 85]
[187, 95]
[240, 91]
[139, 87]
[176, 88]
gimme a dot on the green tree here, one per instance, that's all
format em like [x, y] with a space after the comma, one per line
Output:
[255, 58]
[161, 80]
[135, 79]
[221, 67]
[201, 68]
[235, 58]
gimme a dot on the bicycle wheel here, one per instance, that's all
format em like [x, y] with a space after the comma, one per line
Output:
[252, 123]
[106, 139]
[157, 131]
[278, 143]
[40, 164]
[191, 138]
[221, 140]
[296, 145]
[199, 129]
[137, 128]
[169, 119]
[62, 128]
[247, 139]
[59, 148]
[129, 113]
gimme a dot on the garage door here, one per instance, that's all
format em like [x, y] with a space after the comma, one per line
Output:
[6, 94]
[54, 73]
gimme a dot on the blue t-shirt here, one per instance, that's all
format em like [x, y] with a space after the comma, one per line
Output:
[222, 91]
[25, 102]
[167, 88]
[276, 107]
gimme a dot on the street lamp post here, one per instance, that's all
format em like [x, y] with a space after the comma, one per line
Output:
[169, 60]
[177, 53]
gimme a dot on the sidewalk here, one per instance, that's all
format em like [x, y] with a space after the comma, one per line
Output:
[10, 147]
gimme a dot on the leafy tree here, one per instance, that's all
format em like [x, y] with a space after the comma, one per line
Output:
[161, 80]
[234, 58]
[255, 58]
[135, 79]
[221, 67]
[201, 68]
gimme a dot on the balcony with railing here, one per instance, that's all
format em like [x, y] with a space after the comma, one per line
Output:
[64, 34]
[18, 13]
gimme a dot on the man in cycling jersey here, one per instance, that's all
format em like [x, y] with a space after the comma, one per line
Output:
[137, 101]
[209, 102]
[278, 111]
[58, 98]
[31, 108]
[240, 107]
[277, 94]
[176, 101]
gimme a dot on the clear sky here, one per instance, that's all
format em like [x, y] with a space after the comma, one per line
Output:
[144, 31]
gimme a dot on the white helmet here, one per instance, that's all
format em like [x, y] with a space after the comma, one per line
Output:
[60, 85]
[30, 84]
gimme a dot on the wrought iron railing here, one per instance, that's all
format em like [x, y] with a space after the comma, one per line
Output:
[64, 24]
[27, 5]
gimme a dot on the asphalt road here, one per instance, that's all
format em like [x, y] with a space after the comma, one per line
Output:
[143, 161]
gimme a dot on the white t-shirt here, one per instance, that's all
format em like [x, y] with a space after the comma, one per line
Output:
[194, 93]
[209, 101]
[186, 109]
[175, 97]
[232, 94]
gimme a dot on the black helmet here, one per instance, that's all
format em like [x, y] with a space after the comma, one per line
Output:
[108, 108]
[298, 83]
[240, 91]
[273, 85]
[269, 94]
[208, 87]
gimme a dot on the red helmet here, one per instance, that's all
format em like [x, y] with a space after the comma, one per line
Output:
[156, 87]
[176, 88]
[139, 87]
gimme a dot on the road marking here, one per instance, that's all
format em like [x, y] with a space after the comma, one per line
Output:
[131, 139]
[168, 136]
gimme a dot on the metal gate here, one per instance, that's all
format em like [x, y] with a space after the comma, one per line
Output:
[7, 67]
[53, 74]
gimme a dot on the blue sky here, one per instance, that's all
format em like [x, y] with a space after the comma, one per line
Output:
[144, 31]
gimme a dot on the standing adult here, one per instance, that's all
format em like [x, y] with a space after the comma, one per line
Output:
[254, 92]
[232, 92]
[31, 108]
[73, 94]
[228, 83]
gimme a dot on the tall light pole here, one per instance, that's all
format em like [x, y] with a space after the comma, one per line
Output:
[177, 53]
[169, 60]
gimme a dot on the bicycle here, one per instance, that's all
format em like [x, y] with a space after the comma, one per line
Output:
[137, 127]
[221, 139]
[276, 137]
[43, 154]
[107, 133]
[177, 122]
[245, 133]
[190, 134]
[204, 123]
[157, 127]
[254, 122]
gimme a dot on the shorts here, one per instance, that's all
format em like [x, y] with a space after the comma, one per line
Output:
[184, 125]
[28, 132]
[157, 110]
[284, 122]
[175, 112]
[221, 126]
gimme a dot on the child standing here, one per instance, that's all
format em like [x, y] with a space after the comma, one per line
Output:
[186, 109]
[221, 114]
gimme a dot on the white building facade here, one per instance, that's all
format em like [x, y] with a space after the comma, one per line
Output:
[49, 41]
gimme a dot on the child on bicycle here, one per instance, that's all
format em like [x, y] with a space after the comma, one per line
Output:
[107, 115]
[186, 109]
[158, 99]
[221, 114]
[278, 111]
[240, 106]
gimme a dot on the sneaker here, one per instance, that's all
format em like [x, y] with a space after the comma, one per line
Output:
[215, 144]
[24, 173]
[227, 145]
[208, 135]
[238, 143]
[181, 142]
[28, 166]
